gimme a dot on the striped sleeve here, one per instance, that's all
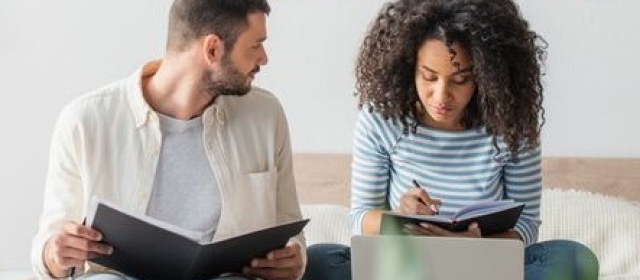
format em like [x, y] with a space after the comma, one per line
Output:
[370, 167]
[523, 183]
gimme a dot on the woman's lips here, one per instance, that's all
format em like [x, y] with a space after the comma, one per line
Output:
[441, 109]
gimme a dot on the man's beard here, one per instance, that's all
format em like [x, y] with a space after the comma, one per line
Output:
[230, 81]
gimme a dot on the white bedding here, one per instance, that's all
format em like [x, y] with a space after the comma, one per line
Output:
[609, 226]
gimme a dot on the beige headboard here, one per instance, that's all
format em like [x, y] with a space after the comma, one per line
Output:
[325, 178]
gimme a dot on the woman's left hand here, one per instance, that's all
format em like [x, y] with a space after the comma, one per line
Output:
[432, 230]
[281, 264]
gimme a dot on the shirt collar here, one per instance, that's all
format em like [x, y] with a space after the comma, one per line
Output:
[141, 109]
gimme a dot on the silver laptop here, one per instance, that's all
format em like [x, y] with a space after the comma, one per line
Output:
[387, 257]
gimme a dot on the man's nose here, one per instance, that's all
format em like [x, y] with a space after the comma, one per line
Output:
[263, 59]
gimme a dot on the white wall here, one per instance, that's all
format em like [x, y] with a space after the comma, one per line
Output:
[52, 51]
[592, 87]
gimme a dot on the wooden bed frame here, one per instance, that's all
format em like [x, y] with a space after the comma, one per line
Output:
[325, 178]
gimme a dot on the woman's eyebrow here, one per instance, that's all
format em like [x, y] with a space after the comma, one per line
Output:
[464, 70]
[460, 71]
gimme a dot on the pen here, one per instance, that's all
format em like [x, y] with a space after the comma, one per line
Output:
[431, 206]
[72, 272]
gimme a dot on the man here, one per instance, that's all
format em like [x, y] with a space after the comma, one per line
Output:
[186, 140]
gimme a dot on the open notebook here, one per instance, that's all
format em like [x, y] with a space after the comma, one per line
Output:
[491, 216]
[147, 248]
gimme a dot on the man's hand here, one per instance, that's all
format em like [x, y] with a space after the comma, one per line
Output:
[281, 264]
[71, 246]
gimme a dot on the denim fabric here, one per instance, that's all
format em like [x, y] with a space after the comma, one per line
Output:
[549, 260]
[560, 259]
[328, 261]
[119, 276]
[104, 276]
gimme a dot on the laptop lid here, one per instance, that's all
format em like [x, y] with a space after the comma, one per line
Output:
[391, 257]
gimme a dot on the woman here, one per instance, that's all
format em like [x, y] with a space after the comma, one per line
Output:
[450, 95]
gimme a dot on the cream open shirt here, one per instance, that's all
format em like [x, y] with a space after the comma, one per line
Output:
[107, 144]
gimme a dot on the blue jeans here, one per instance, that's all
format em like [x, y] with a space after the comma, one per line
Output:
[549, 260]
[119, 276]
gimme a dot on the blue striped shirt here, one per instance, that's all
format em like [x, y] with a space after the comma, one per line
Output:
[457, 167]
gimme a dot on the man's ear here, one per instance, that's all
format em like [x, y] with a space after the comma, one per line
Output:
[212, 48]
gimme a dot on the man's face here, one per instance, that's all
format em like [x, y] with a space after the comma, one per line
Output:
[239, 67]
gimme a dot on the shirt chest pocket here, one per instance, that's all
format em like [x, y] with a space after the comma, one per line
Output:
[259, 197]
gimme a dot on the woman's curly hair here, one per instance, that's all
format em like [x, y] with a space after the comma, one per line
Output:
[507, 62]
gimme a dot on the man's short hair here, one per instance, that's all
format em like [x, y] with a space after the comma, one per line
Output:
[192, 19]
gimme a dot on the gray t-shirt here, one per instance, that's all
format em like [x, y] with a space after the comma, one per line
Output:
[185, 190]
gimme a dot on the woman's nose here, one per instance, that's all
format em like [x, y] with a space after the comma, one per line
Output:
[441, 93]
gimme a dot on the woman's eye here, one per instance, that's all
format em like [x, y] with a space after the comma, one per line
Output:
[460, 79]
[429, 78]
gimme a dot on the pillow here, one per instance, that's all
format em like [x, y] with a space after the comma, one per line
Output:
[609, 226]
[329, 224]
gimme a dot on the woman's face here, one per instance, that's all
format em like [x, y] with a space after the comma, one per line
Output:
[444, 86]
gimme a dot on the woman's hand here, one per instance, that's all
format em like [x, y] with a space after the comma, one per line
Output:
[281, 264]
[416, 201]
[432, 230]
